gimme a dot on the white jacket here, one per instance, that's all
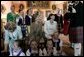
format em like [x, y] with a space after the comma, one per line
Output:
[49, 28]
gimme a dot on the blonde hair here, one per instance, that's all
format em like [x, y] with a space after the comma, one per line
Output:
[12, 25]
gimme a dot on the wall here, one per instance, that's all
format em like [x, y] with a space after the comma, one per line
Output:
[59, 4]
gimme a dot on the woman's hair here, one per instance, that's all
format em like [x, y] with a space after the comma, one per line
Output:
[49, 40]
[13, 6]
[20, 10]
[19, 42]
[33, 41]
[27, 11]
[49, 17]
[12, 26]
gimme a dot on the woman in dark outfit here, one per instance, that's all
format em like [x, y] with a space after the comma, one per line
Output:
[59, 20]
[66, 23]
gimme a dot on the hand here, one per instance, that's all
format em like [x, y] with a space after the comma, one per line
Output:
[68, 21]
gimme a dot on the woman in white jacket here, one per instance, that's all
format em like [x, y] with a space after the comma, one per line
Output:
[50, 26]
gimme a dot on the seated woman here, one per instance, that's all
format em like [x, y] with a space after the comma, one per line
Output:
[33, 50]
[50, 26]
[41, 46]
[12, 33]
[16, 50]
[49, 50]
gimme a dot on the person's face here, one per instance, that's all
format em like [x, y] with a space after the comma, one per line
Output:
[21, 13]
[49, 44]
[42, 40]
[34, 45]
[15, 45]
[30, 12]
[13, 9]
[52, 18]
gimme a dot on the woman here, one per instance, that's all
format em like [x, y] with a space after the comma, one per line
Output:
[11, 34]
[66, 22]
[59, 20]
[33, 50]
[50, 26]
[42, 45]
[49, 50]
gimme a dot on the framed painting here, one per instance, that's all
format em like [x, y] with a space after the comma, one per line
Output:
[39, 4]
[65, 7]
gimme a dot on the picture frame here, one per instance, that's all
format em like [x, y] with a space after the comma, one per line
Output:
[65, 7]
[39, 4]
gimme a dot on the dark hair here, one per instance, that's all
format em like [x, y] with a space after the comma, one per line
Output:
[33, 41]
[70, 8]
[19, 42]
[27, 11]
[49, 17]
[20, 10]
[13, 6]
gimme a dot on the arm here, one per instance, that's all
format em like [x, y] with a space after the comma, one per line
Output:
[54, 51]
[6, 41]
[27, 53]
[56, 27]
[61, 44]
[45, 28]
[61, 20]
[19, 32]
[17, 20]
[8, 17]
